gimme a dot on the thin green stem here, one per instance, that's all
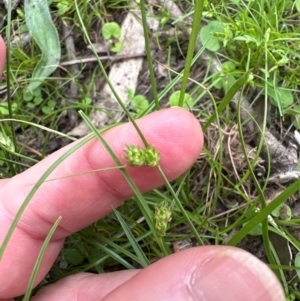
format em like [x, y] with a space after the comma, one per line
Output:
[192, 43]
[107, 78]
[149, 56]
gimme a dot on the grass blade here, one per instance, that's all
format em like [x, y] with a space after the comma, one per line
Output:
[149, 55]
[138, 251]
[263, 214]
[40, 258]
[192, 43]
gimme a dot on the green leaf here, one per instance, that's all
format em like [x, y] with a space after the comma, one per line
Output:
[31, 105]
[28, 96]
[37, 92]
[44, 33]
[256, 231]
[63, 7]
[130, 93]
[263, 214]
[4, 108]
[276, 212]
[296, 116]
[217, 80]
[111, 29]
[136, 247]
[187, 101]
[297, 263]
[139, 103]
[6, 141]
[46, 110]
[51, 104]
[228, 66]
[283, 211]
[298, 5]
[280, 97]
[73, 256]
[38, 100]
[37, 265]
[87, 100]
[290, 297]
[116, 47]
[248, 39]
[207, 35]
[228, 82]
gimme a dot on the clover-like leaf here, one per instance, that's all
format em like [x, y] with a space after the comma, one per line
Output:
[187, 101]
[111, 29]
[280, 97]
[297, 263]
[208, 35]
[73, 256]
[139, 103]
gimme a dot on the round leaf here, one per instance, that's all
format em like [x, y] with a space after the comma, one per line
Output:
[139, 103]
[228, 66]
[111, 29]
[297, 263]
[73, 256]
[280, 97]
[256, 231]
[298, 5]
[217, 80]
[27, 95]
[116, 47]
[296, 117]
[208, 39]
[187, 101]
[4, 108]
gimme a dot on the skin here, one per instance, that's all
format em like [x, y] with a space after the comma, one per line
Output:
[201, 273]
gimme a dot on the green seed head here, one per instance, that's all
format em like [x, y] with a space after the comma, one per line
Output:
[151, 156]
[135, 155]
[139, 157]
[162, 218]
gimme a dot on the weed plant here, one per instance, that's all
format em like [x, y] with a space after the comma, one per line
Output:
[256, 41]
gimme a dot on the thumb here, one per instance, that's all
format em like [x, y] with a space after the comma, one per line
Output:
[203, 274]
[198, 274]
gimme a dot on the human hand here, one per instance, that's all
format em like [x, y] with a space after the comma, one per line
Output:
[203, 273]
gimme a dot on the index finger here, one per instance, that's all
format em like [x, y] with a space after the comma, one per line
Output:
[175, 134]
[81, 200]
[2, 55]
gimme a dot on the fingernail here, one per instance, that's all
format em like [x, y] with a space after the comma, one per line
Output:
[234, 274]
